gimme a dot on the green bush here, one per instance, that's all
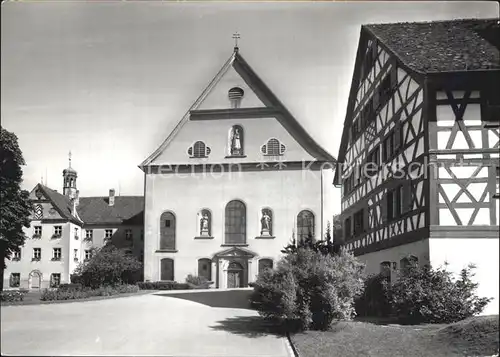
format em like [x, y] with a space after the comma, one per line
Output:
[73, 294]
[309, 289]
[427, 295]
[162, 285]
[70, 287]
[108, 266]
[374, 301]
[12, 295]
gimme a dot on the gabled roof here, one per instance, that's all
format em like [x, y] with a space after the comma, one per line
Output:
[60, 202]
[265, 95]
[126, 210]
[428, 48]
[457, 45]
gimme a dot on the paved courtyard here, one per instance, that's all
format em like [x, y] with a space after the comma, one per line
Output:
[215, 323]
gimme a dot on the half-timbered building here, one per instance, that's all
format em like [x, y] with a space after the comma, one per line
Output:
[420, 149]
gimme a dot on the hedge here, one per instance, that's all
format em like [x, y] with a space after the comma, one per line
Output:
[163, 285]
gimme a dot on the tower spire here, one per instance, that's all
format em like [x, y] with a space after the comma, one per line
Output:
[69, 157]
[236, 37]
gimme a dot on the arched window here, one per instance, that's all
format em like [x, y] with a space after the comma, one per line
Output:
[167, 231]
[273, 147]
[199, 149]
[305, 225]
[235, 223]
[265, 264]
[167, 269]
[406, 262]
[205, 268]
[385, 270]
[236, 141]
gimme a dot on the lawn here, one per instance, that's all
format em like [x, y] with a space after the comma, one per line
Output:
[477, 336]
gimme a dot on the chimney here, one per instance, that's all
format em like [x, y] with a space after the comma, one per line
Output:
[112, 197]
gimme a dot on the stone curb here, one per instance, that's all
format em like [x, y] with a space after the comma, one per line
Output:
[292, 351]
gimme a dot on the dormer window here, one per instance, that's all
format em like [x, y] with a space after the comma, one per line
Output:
[199, 150]
[235, 96]
[273, 147]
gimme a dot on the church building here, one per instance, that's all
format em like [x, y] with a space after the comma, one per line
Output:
[419, 155]
[233, 183]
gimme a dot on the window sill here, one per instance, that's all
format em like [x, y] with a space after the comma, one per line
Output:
[198, 157]
[35, 260]
[235, 156]
[36, 236]
[265, 237]
[56, 237]
[234, 245]
[203, 237]
[15, 259]
[166, 251]
[55, 259]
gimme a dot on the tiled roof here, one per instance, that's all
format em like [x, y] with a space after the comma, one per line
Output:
[126, 210]
[456, 45]
[62, 203]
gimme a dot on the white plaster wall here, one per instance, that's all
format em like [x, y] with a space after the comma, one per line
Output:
[215, 134]
[285, 192]
[418, 249]
[459, 252]
[46, 266]
[218, 97]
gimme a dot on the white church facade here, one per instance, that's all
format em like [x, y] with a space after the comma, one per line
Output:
[236, 179]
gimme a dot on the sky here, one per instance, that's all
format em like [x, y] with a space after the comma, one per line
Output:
[109, 80]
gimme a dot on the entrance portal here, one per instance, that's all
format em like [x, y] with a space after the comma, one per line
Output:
[35, 280]
[234, 275]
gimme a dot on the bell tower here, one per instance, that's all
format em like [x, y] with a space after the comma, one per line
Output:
[69, 183]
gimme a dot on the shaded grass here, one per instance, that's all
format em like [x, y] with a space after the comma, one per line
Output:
[477, 336]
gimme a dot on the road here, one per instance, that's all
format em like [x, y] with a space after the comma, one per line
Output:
[213, 323]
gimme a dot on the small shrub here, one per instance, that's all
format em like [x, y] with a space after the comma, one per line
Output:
[198, 282]
[73, 294]
[427, 295]
[72, 286]
[12, 295]
[162, 285]
[309, 289]
[374, 301]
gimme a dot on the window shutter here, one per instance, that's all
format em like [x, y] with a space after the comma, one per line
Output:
[407, 199]
[383, 208]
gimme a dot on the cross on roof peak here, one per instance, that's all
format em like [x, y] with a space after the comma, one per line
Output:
[236, 37]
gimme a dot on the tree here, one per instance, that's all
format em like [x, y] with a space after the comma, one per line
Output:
[108, 266]
[15, 206]
[327, 246]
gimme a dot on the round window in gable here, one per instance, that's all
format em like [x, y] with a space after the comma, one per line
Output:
[235, 96]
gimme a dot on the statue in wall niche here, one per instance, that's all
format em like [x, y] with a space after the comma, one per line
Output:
[236, 142]
[265, 223]
[204, 224]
